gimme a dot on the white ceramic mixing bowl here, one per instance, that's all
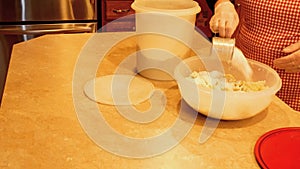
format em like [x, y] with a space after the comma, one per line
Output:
[226, 105]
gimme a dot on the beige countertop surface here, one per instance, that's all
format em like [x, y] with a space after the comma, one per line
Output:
[40, 126]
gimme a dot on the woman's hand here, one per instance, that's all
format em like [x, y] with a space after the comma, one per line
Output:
[225, 20]
[291, 62]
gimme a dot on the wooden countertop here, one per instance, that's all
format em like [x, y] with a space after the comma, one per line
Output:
[39, 127]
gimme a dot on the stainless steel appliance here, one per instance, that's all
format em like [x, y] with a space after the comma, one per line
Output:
[21, 20]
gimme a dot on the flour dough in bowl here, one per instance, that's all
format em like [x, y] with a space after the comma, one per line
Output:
[119, 89]
[238, 99]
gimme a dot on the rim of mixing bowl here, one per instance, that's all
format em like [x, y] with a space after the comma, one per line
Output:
[270, 90]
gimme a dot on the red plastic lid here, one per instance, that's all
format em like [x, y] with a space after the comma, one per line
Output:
[279, 148]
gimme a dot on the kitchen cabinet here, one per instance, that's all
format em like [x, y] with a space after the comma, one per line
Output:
[114, 12]
[117, 14]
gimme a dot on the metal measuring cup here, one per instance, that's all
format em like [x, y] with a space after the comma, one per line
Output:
[224, 47]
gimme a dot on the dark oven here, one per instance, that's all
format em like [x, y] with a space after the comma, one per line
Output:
[21, 20]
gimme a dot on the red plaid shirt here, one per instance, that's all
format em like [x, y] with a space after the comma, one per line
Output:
[266, 27]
